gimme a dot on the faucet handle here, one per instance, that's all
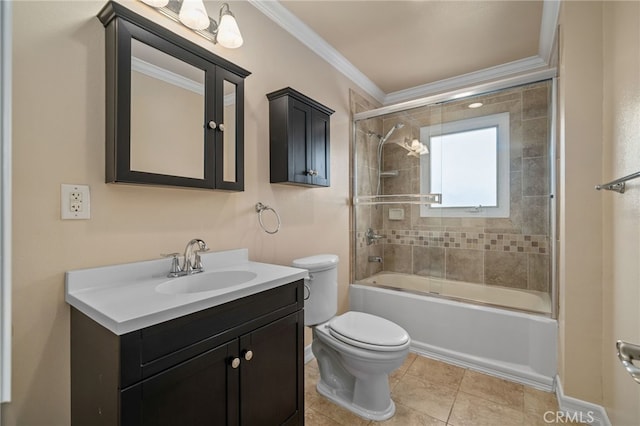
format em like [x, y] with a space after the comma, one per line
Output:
[198, 260]
[175, 264]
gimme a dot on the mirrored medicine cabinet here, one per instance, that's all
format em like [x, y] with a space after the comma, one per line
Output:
[174, 110]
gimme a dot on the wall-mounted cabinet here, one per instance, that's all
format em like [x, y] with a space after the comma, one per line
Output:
[240, 363]
[299, 139]
[175, 111]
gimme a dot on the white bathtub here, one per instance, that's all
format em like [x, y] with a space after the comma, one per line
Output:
[516, 346]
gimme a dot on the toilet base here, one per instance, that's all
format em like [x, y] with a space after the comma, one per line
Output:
[346, 401]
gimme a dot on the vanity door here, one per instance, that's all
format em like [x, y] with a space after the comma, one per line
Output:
[229, 137]
[272, 378]
[200, 391]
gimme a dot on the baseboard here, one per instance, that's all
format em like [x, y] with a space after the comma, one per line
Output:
[308, 354]
[580, 411]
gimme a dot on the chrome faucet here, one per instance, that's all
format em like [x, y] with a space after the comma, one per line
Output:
[192, 262]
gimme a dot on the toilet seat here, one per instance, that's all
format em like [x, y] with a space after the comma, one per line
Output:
[368, 332]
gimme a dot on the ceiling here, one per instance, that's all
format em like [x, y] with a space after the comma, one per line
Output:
[399, 50]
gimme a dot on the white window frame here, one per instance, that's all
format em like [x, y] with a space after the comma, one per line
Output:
[502, 210]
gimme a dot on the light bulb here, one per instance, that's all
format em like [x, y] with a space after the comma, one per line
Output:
[156, 3]
[228, 32]
[194, 15]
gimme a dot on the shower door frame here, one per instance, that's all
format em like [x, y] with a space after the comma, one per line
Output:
[457, 94]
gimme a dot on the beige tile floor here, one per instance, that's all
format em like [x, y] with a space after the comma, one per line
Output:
[432, 393]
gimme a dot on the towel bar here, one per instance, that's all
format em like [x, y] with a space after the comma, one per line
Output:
[618, 185]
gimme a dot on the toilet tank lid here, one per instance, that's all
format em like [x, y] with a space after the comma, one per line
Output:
[318, 262]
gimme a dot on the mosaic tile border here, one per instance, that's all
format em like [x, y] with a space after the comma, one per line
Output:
[488, 241]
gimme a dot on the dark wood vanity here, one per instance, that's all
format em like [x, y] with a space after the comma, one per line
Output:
[240, 363]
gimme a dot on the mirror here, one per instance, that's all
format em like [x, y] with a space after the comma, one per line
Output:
[166, 137]
[229, 138]
[175, 111]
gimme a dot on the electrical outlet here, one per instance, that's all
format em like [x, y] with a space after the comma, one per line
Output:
[74, 202]
[75, 195]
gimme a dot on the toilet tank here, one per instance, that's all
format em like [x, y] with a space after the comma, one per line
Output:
[321, 288]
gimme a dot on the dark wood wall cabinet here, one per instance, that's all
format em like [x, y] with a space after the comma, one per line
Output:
[240, 363]
[174, 110]
[299, 139]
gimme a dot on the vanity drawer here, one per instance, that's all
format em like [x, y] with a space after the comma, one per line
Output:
[164, 345]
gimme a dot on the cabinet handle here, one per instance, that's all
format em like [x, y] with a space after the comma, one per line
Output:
[212, 124]
[248, 355]
[235, 363]
[221, 127]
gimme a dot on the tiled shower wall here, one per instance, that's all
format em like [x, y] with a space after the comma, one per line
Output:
[512, 252]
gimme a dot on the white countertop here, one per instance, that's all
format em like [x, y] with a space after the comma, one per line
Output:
[123, 298]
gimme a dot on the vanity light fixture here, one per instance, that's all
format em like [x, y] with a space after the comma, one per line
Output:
[192, 14]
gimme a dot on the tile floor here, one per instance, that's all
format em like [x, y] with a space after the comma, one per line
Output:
[432, 393]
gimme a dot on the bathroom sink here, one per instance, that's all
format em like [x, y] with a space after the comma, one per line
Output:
[132, 296]
[206, 281]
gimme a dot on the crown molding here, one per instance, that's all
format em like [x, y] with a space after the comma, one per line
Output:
[288, 21]
[461, 92]
[521, 66]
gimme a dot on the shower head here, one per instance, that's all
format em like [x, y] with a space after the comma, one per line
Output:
[391, 130]
[380, 144]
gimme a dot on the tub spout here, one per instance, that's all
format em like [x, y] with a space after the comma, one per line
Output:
[375, 259]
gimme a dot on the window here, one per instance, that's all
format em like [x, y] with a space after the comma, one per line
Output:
[468, 163]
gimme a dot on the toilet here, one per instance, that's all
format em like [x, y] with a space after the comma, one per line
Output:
[355, 351]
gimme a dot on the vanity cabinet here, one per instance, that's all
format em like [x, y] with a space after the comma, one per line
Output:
[240, 363]
[299, 139]
[174, 110]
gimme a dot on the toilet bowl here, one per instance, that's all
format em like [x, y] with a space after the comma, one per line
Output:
[355, 351]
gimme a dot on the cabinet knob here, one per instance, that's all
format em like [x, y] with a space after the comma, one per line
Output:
[235, 363]
[248, 355]
[212, 124]
[312, 172]
[221, 127]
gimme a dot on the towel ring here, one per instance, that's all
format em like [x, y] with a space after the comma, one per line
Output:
[261, 208]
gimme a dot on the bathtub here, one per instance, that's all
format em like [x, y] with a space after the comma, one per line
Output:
[512, 345]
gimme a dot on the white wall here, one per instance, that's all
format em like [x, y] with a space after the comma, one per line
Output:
[580, 224]
[621, 254]
[599, 231]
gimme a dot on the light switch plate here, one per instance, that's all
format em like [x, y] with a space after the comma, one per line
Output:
[75, 201]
